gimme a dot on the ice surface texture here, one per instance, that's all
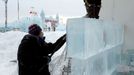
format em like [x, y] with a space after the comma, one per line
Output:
[94, 46]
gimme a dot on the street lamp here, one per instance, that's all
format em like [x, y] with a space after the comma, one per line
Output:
[5, 13]
[18, 4]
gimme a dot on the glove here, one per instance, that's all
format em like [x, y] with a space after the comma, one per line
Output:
[64, 37]
[48, 58]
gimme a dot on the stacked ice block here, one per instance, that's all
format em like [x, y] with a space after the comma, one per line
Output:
[94, 46]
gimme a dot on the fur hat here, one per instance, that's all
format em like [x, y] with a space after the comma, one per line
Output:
[34, 29]
[96, 2]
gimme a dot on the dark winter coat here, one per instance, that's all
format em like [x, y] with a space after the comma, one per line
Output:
[33, 55]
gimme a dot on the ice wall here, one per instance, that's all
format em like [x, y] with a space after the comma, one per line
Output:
[94, 46]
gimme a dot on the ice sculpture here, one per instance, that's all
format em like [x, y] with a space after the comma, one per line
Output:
[94, 46]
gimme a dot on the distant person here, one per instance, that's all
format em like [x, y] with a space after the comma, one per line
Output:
[92, 8]
[33, 52]
[48, 28]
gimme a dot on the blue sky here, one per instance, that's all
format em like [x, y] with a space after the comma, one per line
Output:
[67, 8]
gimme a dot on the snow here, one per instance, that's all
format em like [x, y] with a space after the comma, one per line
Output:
[61, 28]
[9, 45]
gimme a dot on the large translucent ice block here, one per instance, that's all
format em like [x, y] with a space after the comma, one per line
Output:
[85, 36]
[94, 46]
[103, 63]
[113, 32]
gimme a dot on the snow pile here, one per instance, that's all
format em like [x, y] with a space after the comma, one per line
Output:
[9, 45]
[8, 51]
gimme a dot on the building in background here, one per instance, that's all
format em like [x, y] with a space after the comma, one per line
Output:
[48, 23]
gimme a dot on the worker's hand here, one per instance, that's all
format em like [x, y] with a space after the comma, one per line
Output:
[43, 38]
[64, 37]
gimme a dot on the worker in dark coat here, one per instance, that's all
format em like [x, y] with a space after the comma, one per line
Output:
[33, 52]
[92, 8]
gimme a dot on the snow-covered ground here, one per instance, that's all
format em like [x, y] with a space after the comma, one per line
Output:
[9, 43]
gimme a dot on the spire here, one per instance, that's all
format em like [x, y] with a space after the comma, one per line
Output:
[57, 18]
[42, 15]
